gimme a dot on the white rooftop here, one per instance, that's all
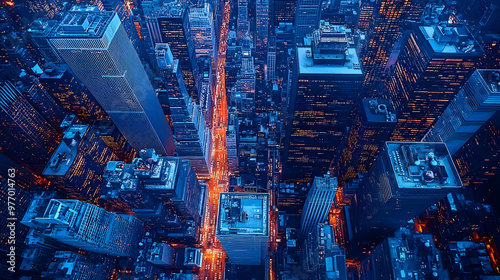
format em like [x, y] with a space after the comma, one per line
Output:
[307, 66]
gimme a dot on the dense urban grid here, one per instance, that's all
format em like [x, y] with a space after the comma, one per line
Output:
[250, 139]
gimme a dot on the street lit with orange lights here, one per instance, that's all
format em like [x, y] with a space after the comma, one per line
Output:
[214, 255]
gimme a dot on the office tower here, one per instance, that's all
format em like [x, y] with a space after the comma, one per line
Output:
[42, 102]
[477, 161]
[70, 94]
[321, 256]
[115, 141]
[384, 21]
[71, 265]
[77, 165]
[434, 64]
[243, 22]
[161, 191]
[325, 88]
[406, 179]
[261, 29]
[193, 257]
[26, 136]
[85, 226]
[476, 102]
[318, 203]
[205, 86]
[271, 60]
[12, 236]
[403, 255]
[171, 26]
[373, 126]
[192, 138]
[232, 142]
[107, 63]
[307, 18]
[283, 11]
[244, 94]
[469, 259]
[161, 254]
[202, 30]
[37, 34]
[243, 227]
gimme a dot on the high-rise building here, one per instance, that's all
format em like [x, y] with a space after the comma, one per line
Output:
[95, 46]
[318, 203]
[476, 102]
[321, 256]
[307, 17]
[243, 22]
[77, 165]
[202, 30]
[192, 137]
[373, 126]
[161, 191]
[243, 227]
[384, 21]
[406, 179]
[171, 26]
[403, 255]
[114, 139]
[261, 29]
[325, 87]
[478, 159]
[71, 265]
[84, 226]
[26, 136]
[283, 11]
[435, 63]
[70, 94]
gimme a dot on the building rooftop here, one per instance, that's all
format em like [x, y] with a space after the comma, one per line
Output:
[492, 79]
[415, 255]
[425, 165]
[243, 214]
[63, 157]
[350, 67]
[379, 111]
[172, 9]
[451, 39]
[81, 21]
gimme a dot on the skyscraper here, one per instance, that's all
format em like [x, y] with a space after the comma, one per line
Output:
[243, 23]
[192, 137]
[386, 19]
[434, 64]
[406, 179]
[84, 226]
[202, 30]
[243, 226]
[70, 94]
[262, 29]
[321, 256]
[95, 46]
[77, 165]
[476, 102]
[318, 203]
[326, 84]
[171, 26]
[307, 18]
[373, 126]
[283, 11]
[421, 258]
[26, 136]
[478, 159]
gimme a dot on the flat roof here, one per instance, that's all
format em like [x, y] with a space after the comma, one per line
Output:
[379, 110]
[307, 66]
[87, 22]
[423, 165]
[453, 39]
[243, 214]
[65, 154]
